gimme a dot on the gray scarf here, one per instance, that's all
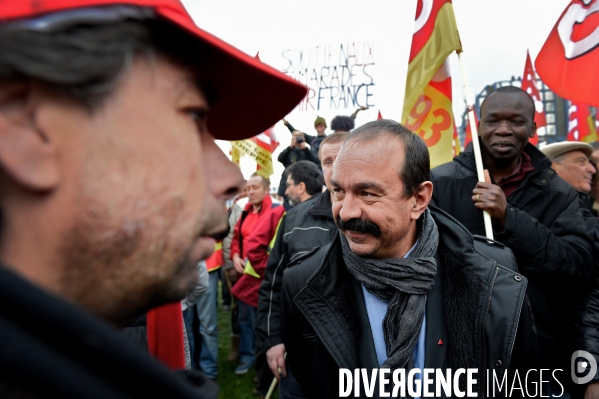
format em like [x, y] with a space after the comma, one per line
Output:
[403, 283]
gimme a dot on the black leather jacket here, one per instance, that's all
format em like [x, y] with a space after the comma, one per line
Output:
[473, 308]
[308, 225]
[50, 348]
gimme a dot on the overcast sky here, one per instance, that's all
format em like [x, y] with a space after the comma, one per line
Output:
[495, 36]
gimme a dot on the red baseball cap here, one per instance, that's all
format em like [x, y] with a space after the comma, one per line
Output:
[251, 96]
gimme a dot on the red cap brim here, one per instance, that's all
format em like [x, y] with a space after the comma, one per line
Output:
[252, 96]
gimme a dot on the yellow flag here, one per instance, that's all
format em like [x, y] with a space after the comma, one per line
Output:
[427, 109]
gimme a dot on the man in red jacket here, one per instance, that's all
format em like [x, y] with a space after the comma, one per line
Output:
[259, 206]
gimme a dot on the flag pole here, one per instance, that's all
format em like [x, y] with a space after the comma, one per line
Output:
[475, 144]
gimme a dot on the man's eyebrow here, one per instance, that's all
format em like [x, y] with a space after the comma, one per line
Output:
[334, 183]
[368, 186]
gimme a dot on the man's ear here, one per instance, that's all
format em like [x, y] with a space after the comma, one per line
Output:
[534, 129]
[302, 187]
[421, 199]
[27, 154]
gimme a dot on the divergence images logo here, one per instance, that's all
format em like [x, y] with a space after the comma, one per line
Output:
[578, 367]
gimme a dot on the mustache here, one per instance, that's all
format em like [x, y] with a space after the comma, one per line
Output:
[359, 226]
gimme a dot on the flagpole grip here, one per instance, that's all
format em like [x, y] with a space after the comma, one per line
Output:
[475, 144]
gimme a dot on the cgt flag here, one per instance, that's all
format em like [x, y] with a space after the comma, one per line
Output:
[581, 126]
[569, 58]
[260, 149]
[528, 85]
[427, 108]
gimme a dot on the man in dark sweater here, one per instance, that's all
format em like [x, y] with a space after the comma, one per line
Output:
[113, 188]
[534, 212]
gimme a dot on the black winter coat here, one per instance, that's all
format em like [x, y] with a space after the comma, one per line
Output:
[546, 231]
[308, 225]
[588, 325]
[50, 348]
[473, 308]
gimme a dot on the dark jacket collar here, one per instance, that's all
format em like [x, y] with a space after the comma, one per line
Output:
[84, 350]
[588, 201]
[323, 206]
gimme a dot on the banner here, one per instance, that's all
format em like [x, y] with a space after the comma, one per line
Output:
[338, 76]
[568, 62]
[581, 126]
[260, 149]
[427, 109]
[529, 79]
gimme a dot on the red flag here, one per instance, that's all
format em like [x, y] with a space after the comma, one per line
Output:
[260, 148]
[457, 147]
[267, 140]
[164, 326]
[468, 137]
[380, 116]
[529, 79]
[581, 126]
[568, 62]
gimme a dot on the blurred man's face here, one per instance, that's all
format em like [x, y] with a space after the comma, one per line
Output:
[320, 128]
[328, 154]
[292, 191]
[576, 169]
[256, 190]
[297, 134]
[149, 189]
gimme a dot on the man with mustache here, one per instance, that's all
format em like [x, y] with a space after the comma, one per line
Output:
[400, 286]
[535, 213]
[112, 186]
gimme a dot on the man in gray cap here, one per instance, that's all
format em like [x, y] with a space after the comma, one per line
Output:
[570, 160]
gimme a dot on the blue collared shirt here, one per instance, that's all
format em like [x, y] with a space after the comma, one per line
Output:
[377, 310]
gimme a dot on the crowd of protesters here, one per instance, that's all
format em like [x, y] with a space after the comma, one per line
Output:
[119, 216]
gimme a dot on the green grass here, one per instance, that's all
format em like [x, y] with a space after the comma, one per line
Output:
[231, 386]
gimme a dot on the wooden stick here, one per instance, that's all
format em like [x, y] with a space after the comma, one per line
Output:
[475, 144]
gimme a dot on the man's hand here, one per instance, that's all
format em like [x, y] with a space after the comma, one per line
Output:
[232, 275]
[293, 142]
[276, 360]
[284, 121]
[592, 391]
[490, 197]
[238, 263]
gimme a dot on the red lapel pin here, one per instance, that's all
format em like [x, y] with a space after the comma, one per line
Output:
[440, 342]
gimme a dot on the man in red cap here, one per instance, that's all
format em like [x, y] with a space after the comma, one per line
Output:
[112, 188]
